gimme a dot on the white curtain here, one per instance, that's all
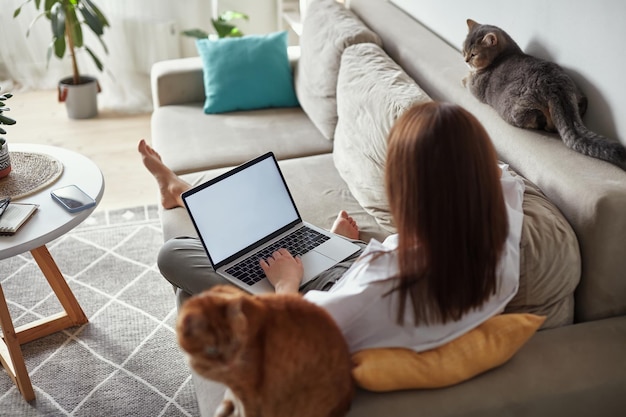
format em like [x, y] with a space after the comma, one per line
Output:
[142, 32]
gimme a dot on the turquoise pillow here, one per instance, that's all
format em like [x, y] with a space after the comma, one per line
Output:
[250, 72]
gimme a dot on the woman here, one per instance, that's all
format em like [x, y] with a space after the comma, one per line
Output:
[454, 262]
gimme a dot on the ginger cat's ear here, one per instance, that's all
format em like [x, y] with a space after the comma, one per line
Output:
[490, 39]
[471, 23]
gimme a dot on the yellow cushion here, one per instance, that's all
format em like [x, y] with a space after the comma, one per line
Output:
[487, 346]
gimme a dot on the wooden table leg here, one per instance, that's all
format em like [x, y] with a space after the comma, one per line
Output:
[11, 352]
[72, 315]
[59, 285]
[12, 338]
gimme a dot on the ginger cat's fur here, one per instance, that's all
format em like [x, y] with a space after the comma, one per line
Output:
[279, 355]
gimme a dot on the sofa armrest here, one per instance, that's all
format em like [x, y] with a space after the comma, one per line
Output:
[177, 81]
[180, 81]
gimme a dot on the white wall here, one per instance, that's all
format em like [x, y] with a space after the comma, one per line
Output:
[587, 38]
[262, 18]
[263, 14]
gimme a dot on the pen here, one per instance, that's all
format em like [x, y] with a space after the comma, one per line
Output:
[4, 203]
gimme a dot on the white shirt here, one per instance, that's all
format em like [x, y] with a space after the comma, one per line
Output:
[368, 318]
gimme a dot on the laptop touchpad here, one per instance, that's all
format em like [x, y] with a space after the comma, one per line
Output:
[313, 262]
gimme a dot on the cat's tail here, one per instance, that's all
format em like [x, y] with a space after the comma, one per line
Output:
[576, 136]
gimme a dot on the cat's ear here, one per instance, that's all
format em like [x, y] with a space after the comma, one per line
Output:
[471, 23]
[490, 39]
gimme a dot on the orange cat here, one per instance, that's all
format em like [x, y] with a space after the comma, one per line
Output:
[280, 355]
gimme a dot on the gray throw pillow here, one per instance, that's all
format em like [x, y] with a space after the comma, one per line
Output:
[372, 92]
[328, 29]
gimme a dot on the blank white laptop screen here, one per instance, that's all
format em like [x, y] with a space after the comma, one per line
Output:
[241, 209]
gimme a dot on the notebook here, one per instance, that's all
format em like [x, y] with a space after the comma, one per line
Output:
[15, 216]
[250, 209]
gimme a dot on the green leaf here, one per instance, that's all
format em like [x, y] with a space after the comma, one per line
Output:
[196, 33]
[32, 23]
[6, 120]
[232, 15]
[104, 46]
[57, 20]
[2, 132]
[97, 12]
[95, 58]
[91, 18]
[59, 47]
[49, 54]
[48, 4]
[235, 33]
[223, 29]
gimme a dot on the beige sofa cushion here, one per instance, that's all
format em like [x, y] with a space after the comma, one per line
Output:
[372, 92]
[321, 48]
[550, 263]
[189, 140]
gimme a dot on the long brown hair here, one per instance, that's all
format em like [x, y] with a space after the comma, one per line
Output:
[443, 186]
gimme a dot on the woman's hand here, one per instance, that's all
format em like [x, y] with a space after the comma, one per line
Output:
[283, 271]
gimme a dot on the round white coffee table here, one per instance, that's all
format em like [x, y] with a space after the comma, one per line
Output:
[49, 222]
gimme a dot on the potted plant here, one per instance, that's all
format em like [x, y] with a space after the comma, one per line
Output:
[223, 27]
[5, 159]
[79, 92]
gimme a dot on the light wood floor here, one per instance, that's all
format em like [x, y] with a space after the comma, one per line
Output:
[110, 140]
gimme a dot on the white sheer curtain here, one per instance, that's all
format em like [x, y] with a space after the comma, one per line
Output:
[142, 32]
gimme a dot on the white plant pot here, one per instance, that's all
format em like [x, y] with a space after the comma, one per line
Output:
[81, 100]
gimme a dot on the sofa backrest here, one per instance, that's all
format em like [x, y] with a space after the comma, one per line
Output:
[590, 193]
[372, 92]
[369, 91]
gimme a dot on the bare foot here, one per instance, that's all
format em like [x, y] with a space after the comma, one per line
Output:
[170, 185]
[345, 226]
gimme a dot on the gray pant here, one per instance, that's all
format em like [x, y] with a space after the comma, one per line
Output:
[184, 263]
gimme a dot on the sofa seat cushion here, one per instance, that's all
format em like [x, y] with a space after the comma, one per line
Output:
[574, 370]
[205, 141]
[316, 186]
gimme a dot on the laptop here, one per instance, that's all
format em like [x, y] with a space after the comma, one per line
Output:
[248, 213]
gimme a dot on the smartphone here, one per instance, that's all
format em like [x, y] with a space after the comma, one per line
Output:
[72, 198]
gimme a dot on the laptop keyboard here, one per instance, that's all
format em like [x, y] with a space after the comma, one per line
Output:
[299, 242]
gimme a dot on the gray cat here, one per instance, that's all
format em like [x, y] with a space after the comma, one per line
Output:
[531, 93]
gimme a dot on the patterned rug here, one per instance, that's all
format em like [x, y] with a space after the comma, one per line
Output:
[125, 361]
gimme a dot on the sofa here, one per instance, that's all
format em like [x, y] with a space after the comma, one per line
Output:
[353, 74]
